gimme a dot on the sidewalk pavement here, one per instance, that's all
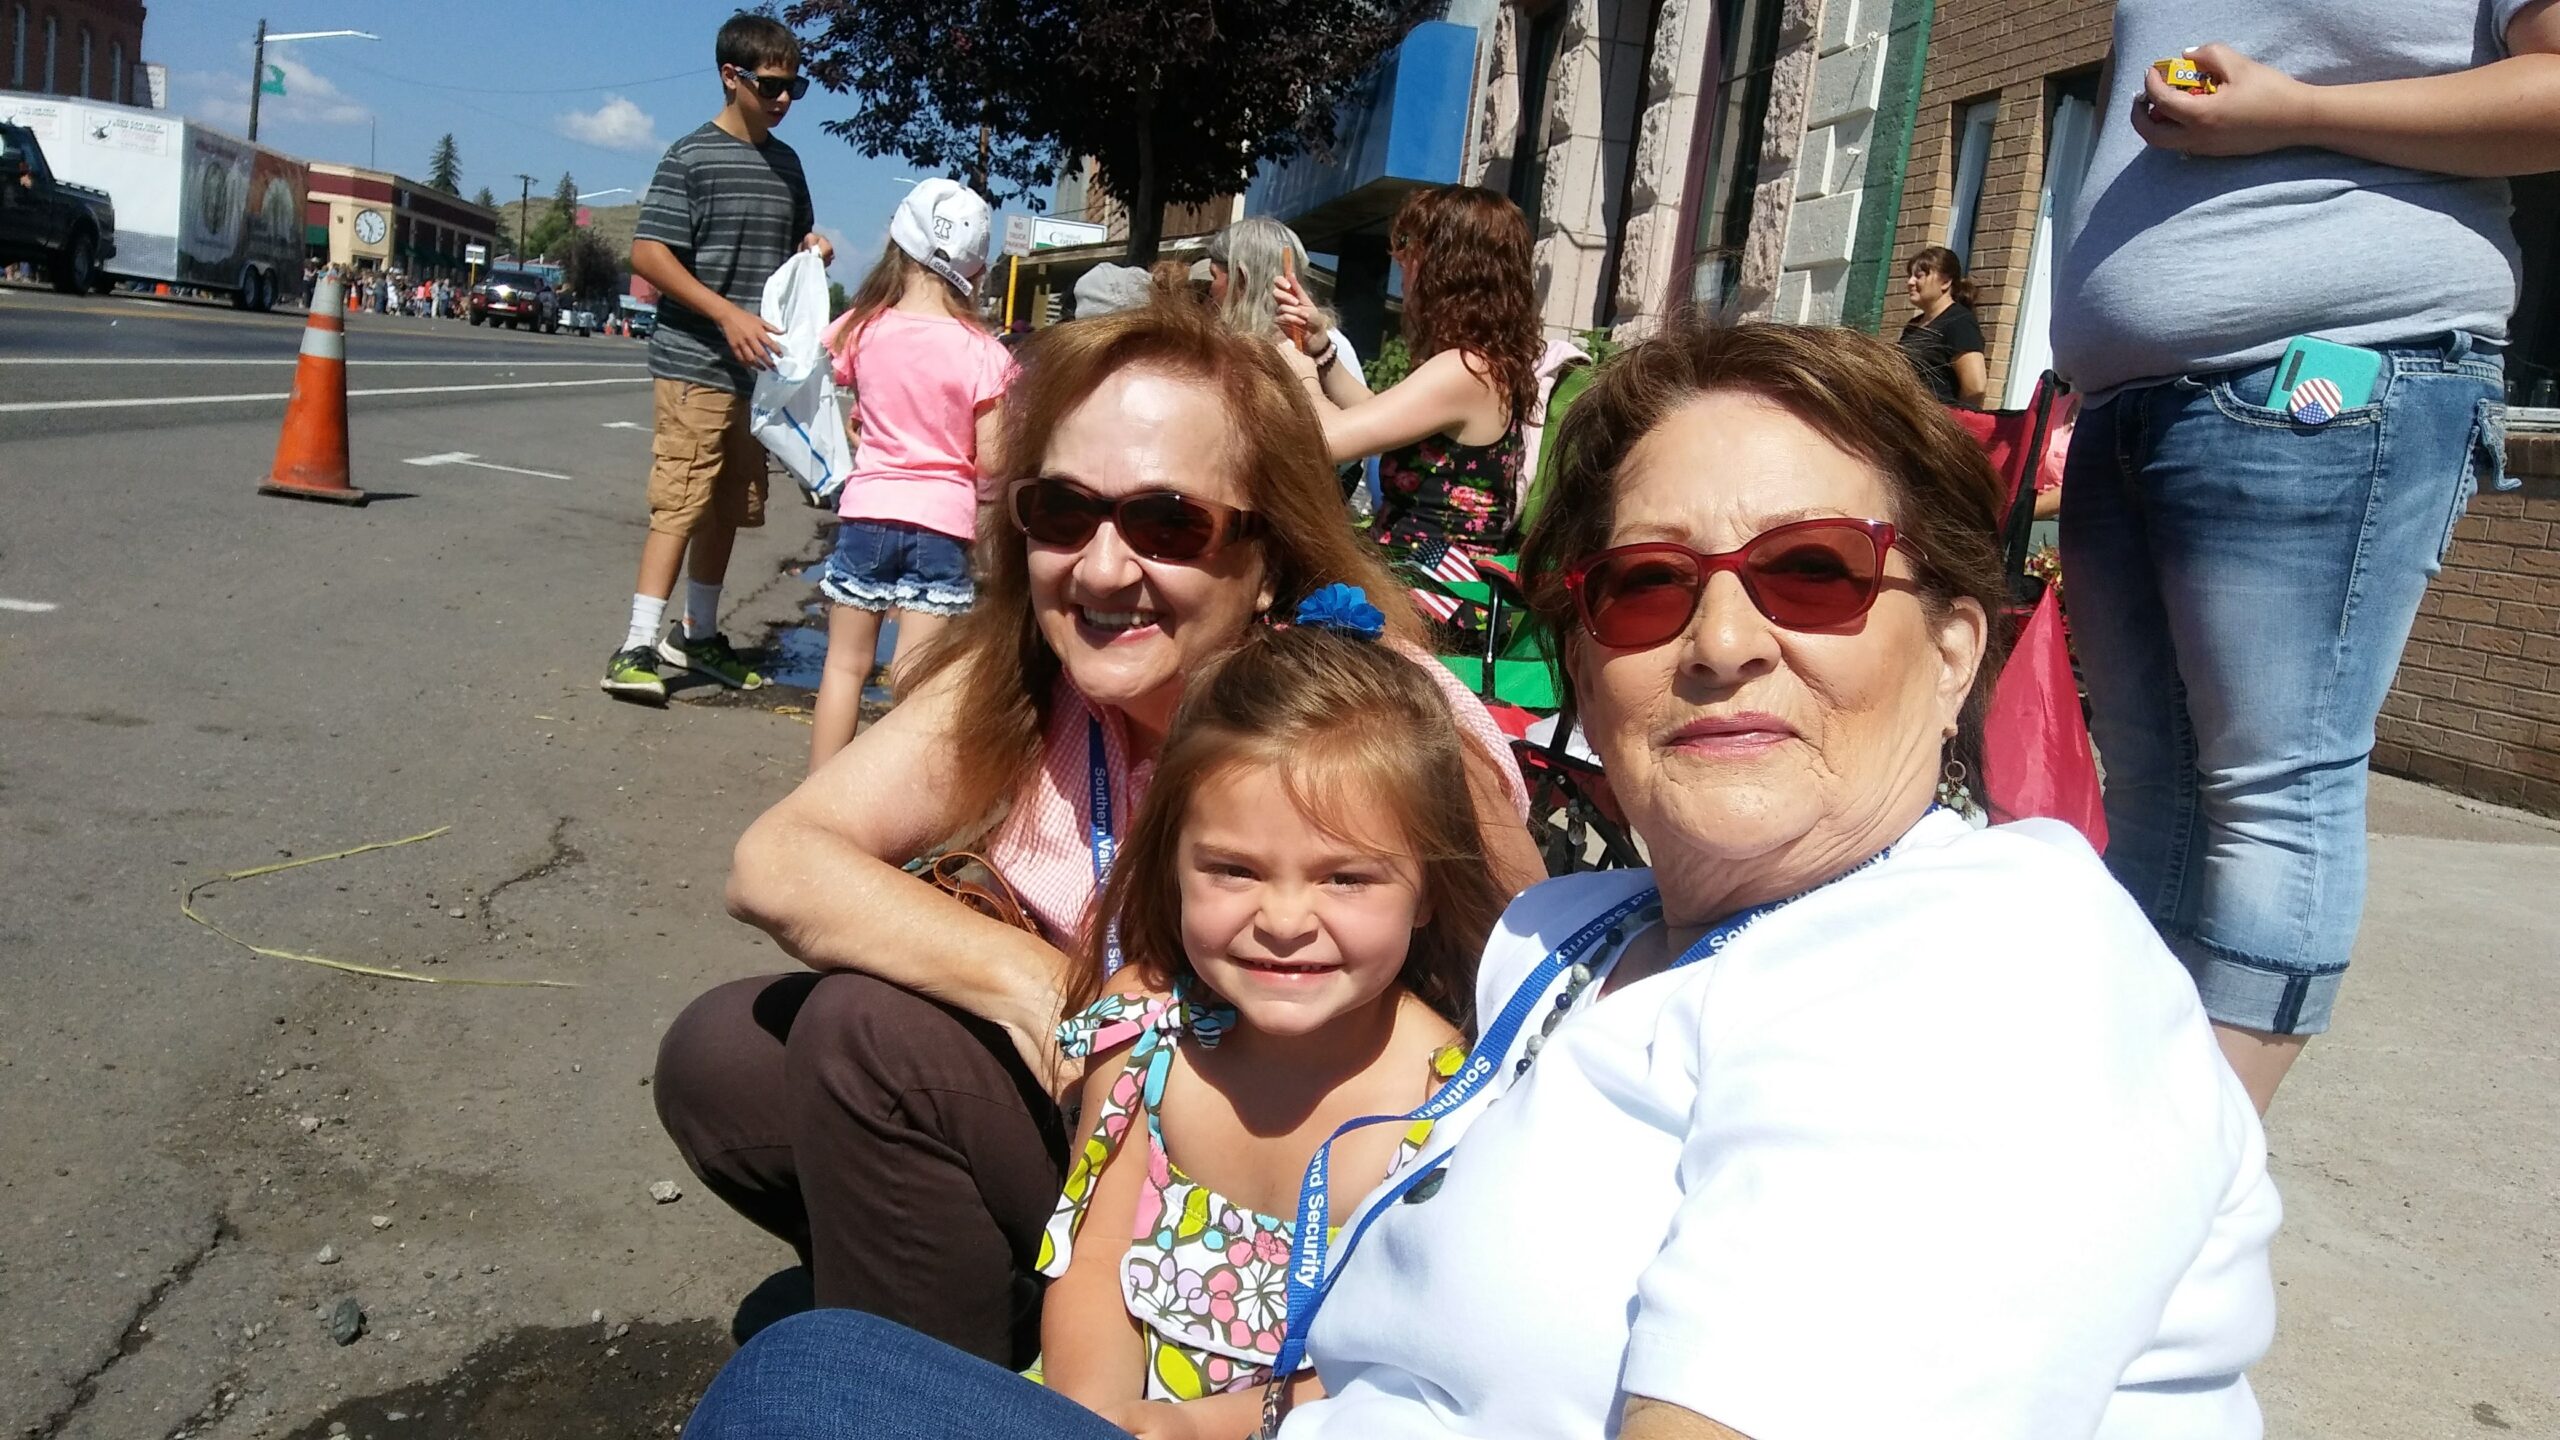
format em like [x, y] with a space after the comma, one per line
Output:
[2418, 1146]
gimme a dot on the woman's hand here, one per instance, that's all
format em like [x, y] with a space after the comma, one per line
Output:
[2252, 109]
[1299, 318]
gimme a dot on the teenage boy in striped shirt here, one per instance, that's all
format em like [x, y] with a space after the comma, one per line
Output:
[728, 205]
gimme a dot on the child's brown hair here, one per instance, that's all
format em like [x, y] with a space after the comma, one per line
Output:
[1334, 716]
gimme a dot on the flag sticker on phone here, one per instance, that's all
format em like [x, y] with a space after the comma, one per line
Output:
[2316, 401]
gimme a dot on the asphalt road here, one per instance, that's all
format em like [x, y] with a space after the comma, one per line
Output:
[196, 679]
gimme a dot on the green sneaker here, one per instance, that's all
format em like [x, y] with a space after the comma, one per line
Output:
[633, 675]
[710, 656]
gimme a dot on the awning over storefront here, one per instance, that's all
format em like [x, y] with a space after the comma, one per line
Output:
[1405, 128]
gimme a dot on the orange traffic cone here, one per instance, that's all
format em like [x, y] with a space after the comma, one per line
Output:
[311, 453]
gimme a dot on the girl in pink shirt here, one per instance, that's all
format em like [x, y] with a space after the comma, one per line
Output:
[927, 380]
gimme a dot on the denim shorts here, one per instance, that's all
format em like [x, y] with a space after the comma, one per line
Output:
[2240, 587]
[890, 565]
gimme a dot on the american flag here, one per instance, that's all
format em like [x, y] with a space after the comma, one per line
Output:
[2317, 401]
[1444, 561]
[1440, 605]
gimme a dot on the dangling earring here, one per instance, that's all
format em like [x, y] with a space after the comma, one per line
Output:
[1952, 792]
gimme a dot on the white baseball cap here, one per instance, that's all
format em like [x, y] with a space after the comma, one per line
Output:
[943, 225]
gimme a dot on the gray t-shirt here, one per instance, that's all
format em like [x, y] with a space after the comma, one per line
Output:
[732, 212]
[2174, 265]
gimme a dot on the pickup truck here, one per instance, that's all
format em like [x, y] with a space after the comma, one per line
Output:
[68, 229]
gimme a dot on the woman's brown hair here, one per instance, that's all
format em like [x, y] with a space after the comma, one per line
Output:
[1940, 261]
[1858, 392]
[1469, 287]
[1346, 724]
[1277, 448]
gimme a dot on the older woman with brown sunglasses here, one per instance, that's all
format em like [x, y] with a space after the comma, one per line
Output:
[889, 1113]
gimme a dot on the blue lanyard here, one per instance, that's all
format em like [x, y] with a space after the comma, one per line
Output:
[1310, 1280]
[1106, 844]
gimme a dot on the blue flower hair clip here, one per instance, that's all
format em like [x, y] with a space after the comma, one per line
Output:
[1345, 608]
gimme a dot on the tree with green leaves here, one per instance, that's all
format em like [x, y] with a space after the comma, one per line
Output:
[588, 266]
[444, 166]
[1177, 101]
[549, 234]
[484, 199]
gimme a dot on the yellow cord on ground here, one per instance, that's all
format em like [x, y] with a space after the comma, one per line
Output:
[186, 907]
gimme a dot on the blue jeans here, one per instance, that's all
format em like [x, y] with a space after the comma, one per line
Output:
[844, 1375]
[2240, 588]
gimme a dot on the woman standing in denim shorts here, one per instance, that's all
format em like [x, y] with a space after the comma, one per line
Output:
[927, 379]
[2246, 556]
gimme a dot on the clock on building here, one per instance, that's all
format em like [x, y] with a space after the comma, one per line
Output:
[369, 227]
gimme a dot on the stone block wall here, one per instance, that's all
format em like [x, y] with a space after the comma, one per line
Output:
[2476, 705]
[2011, 51]
[1831, 163]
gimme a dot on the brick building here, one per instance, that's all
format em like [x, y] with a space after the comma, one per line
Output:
[2007, 109]
[91, 49]
[373, 219]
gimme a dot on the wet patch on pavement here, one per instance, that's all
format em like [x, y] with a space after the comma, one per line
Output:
[543, 1383]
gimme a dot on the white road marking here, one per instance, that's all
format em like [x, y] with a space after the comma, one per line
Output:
[27, 607]
[624, 425]
[29, 407]
[464, 457]
[293, 359]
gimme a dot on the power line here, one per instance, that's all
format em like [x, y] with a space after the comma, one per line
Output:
[693, 74]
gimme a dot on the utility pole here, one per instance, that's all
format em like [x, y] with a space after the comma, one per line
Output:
[257, 79]
[524, 207]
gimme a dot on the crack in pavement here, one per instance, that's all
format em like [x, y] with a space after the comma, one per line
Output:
[137, 1330]
[226, 1397]
[562, 855]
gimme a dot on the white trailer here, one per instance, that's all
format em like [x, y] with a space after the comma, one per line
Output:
[194, 206]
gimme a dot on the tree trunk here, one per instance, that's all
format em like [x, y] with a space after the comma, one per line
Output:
[1146, 207]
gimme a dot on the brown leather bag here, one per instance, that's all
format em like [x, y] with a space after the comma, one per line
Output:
[973, 880]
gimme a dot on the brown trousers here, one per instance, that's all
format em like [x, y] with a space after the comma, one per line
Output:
[898, 1144]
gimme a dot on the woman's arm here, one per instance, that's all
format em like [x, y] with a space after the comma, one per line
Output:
[819, 873]
[1973, 380]
[1442, 395]
[1510, 852]
[1091, 1349]
[1344, 385]
[2502, 118]
[1662, 1420]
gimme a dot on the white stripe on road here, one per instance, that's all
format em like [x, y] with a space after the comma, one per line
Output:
[27, 607]
[29, 407]
[292, 359]
[465, 457]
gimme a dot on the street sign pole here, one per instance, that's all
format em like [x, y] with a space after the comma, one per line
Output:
[1012, 274]
[257, 79]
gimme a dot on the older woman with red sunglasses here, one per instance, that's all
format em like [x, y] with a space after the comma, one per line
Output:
[889, 1112]
[1847, 1118]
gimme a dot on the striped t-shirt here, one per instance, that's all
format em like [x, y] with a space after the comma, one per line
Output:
[732, 212]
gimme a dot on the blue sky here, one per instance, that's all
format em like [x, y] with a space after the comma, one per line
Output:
[532, 86]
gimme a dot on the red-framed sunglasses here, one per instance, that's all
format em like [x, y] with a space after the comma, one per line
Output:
[1806, 575]
[1164, 525]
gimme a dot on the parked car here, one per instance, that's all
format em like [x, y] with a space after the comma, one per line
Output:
[517, 299]
[68, 229]
[644, 322]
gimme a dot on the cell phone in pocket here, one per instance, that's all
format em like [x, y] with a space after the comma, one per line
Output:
[2318, 380]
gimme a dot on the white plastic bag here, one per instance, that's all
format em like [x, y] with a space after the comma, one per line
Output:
[796, 410]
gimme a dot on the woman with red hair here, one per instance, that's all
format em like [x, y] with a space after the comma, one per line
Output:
[1448, 435]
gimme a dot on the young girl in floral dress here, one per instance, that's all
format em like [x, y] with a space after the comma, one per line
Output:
[1300, 904]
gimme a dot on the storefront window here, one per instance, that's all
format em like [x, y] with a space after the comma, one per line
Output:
[2533, 356]
[1538, 51]
[1731, 125]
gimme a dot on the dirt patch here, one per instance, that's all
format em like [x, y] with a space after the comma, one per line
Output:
[546, 1384]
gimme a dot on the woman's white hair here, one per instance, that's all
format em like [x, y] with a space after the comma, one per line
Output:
[1249, 251]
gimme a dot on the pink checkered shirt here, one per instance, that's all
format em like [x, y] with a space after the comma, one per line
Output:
[1044, 847]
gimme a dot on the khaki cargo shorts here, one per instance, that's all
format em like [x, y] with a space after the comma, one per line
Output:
[703, 460]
